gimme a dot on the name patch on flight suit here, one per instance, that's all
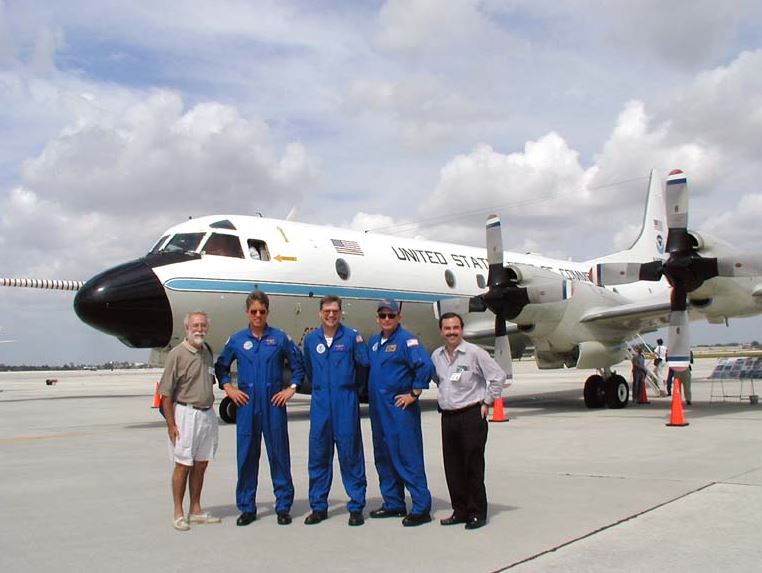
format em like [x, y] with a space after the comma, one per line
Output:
[391, 348]
[339, 347]
[270, 341]
[248, 345]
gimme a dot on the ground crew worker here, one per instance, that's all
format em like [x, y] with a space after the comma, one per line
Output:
[335, 358]
[187, 396]
[400, 368]
[260, 351]
[469, 382]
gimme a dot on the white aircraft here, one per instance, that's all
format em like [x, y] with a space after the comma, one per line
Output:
[576, 314]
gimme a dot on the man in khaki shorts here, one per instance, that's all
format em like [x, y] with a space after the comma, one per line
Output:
[187, 397]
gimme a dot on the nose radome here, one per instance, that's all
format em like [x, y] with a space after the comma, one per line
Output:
[129, 302]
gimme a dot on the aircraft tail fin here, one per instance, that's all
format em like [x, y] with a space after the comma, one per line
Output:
[652, 239]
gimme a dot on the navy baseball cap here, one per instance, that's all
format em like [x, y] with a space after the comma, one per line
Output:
[389, 304]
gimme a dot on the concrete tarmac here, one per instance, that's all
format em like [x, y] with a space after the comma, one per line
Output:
[85, 485]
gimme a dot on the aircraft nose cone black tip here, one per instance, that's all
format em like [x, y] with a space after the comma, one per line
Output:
[128, 302]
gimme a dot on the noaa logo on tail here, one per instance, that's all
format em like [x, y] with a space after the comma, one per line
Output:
[660, 244]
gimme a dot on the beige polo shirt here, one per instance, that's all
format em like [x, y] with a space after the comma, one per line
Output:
[189, 375]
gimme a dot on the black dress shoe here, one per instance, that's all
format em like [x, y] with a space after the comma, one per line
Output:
[452, 520]
[475, 522]
[413, 519]
[383, 512]
[315, 517]
[246, 518]
[284, 518]
[356, 518]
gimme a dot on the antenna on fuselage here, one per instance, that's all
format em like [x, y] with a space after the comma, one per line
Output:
[293, 213]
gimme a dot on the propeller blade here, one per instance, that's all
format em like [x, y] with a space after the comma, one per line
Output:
[676, 197]
[609, 274]
[497, 274]
[503, 348]
[679, 344]
[740, 265]
[459, 305]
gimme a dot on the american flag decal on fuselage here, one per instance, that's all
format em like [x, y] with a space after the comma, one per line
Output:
[347, 247]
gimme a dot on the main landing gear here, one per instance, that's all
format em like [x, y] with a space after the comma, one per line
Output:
[606, 389]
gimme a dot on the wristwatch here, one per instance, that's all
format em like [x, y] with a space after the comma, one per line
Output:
[414, 395]
[293, 386]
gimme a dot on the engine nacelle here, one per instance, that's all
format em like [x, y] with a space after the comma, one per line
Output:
[594, 354]
[590, 354]
[541, 285]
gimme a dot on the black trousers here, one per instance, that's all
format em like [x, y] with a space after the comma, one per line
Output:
[464, 436]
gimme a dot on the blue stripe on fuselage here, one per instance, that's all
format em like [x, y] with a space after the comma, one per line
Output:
[245, 287]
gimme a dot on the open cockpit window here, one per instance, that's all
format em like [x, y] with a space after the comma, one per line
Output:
[183, 243]
[258, 250]
[157, 247]
[224, 246]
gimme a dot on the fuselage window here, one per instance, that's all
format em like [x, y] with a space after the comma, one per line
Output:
[224, 246]
[342, 269]
[258, 250]
[480, 281]
[184, 242]
[157, 247]
[450, 278]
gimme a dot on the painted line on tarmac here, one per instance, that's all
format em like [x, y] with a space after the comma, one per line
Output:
[604, 528]
[23, 439]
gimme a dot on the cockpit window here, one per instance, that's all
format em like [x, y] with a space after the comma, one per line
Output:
[184, 242]
[258, 250]
[224, 246]
[157, 247]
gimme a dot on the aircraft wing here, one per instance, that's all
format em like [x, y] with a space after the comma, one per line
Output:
[638, 316]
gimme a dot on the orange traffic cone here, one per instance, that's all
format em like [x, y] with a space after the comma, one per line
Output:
[676, 417]
[498, 413]
[643, 398]
[156, 396]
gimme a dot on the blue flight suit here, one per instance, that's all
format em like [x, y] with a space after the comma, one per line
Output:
[396, 367]
[260, 375]
[335, 415]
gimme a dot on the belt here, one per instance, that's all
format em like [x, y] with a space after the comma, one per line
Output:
[192, 406]
[463, 409]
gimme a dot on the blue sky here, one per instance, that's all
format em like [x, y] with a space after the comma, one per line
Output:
[361, 114]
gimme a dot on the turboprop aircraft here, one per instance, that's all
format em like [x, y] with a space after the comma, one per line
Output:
[577, 314]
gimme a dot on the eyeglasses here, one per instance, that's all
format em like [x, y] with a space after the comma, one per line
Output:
[331, 311]
[258, 311]
[383, 315]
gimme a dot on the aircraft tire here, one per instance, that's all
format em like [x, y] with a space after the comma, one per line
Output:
[617, 392]
[594, 393]
[227, 410]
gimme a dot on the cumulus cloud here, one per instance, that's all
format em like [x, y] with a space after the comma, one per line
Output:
[159, 155]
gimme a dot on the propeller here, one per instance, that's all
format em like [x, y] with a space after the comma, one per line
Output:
[685, 269]
[496, 298]
[509, 289]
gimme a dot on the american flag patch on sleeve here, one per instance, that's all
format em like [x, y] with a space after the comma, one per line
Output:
[412, 342]
[358, 338]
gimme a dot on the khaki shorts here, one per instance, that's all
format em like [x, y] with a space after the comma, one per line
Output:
[198, 435]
